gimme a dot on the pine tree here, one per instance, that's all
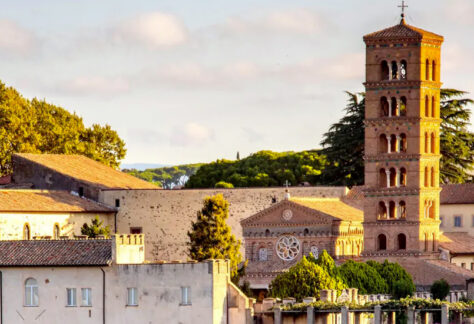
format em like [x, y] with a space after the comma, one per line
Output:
[238, 156]
[343, 145]
[211, 237]
[457, 143]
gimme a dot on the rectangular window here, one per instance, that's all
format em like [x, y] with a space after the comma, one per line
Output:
[71, 297]
[472, 266]
[457, 221]
[132, 298]
[117, 203]
[472, 220]
[185, 295]
[31, 293]
[86, 296]
[463, 265]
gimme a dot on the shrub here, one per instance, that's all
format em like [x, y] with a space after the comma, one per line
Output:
[363, 277]
[223, 184]
[440, 289]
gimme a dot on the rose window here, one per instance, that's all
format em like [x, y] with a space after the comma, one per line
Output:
[287, 247]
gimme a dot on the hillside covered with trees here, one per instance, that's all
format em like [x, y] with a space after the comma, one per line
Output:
[35, 126]
[167, 177]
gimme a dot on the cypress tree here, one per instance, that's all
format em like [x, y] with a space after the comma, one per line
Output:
[211, 237]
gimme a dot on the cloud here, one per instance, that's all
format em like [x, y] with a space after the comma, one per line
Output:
[95, 85]
[191, 134]
[15, 39]
[460, 11]
[292, 21]
[154, 30]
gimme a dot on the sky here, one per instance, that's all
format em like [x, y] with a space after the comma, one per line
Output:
[194, 81]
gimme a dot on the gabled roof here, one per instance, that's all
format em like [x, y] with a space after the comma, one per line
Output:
[322, 209]
[87, 170]
[403, 31]
[60, 253]
[457, 242]
[16, 200]
[457, 194]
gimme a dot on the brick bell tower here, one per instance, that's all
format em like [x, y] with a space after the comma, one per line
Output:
[402, 120]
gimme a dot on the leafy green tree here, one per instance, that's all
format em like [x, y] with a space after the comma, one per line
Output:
[440, 289]
[304, 279]
[262, 169]
[211, 237]
[402, 289]
[457, 142]
[363, 277]
[343, 145]
[35, 126]
[95, 229]
[394, 273]
[326, 262]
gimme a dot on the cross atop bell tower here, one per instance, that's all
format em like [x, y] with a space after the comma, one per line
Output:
[403, 6]
[402, 125]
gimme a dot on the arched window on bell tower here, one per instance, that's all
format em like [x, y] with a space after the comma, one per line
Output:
[427, 175]
[433, 107]
[403, 70]
[433, 143]
[395, 109]
[383, 144]
[433, 177]
[403, 106]
[384, 71]
[427, 142]
[384, 107]
[381, 242]
[433, 72]
[427, 106]
[382, 210]
[394, 70]
[403, 143]
[427, 67]
[402, 241]
[383, 182]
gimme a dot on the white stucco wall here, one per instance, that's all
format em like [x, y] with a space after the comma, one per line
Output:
[42, 224]
[158, 289]
[52, 284]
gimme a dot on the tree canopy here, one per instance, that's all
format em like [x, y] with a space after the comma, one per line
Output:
[211, 238]
[35, 126]
[262, 169]
[95, 229]
[310, 275]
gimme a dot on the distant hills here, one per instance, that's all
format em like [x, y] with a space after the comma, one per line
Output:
[142, 166]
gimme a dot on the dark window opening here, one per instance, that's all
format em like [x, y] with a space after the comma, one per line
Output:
[136, 230]
[81, 191]
[117, 203]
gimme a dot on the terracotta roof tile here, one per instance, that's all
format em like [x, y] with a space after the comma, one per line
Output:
[402, 30]
[88, 170]
[47, 201]
[55, 253]
[457, 243]
[331, 206]
[457, 194]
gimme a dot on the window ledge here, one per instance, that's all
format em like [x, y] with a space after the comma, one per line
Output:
[181, 304]
[86, 306]
[131, 305]
[71, 306]
[30, 305]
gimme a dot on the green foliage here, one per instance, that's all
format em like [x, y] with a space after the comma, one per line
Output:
[344, 145]
[166, 177]
[222, 184]
[402, 289]
[95, 229]
[262, 169]
[304, 279]
[363, 277]
[211, 237]
[394, 273]
[35, 126]
[326, 262]
[440, 289]
[457, 142]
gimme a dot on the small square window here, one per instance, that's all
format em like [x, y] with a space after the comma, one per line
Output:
[136, 230]
[86, 296]
[132, 298]
[71, 297]
[117, 203]
[457, 221]
[185, 295]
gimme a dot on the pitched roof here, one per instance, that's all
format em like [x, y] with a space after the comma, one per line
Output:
[457, 242]
[331, 206]
[87, 170]
[16, 200]
[61, 253]
[402, 30]
[457, 194]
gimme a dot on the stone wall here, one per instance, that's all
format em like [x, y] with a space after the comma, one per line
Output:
[165, 216]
